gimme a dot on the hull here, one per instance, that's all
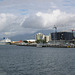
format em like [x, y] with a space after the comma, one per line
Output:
[3, 43]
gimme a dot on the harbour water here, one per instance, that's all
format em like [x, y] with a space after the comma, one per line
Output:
[22, 60]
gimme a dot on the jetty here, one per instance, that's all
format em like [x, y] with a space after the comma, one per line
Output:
[48, 45]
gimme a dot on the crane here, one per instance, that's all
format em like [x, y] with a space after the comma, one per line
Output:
[73, 33]
[55, 34]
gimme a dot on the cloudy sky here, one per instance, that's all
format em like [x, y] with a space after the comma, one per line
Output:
[29, 16]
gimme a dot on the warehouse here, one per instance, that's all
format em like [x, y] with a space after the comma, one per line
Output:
[62, 36]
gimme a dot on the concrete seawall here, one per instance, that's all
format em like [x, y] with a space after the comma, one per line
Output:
[49, 45]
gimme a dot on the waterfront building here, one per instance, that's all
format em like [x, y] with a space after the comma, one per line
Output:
[62, 36]
[31, 41]
[16, 42]
[39, 36]
[48, 38]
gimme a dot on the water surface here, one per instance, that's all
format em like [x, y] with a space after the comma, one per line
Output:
[20, 60]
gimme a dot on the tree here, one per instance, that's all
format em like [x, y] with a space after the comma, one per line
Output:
[40, 41]
[25, 41]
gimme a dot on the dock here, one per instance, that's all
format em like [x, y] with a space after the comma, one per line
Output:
[48, 45]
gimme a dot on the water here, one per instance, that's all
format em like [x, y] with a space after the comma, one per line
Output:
[20, 60]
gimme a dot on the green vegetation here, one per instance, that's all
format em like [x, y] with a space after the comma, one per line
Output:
[25, 41]
[40, 41]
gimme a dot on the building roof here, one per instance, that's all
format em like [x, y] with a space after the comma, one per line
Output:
[31, 40]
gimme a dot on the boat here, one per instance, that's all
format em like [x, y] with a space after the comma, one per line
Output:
[5, 41]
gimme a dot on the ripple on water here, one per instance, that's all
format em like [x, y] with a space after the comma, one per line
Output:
[2, 72]
[16, 60]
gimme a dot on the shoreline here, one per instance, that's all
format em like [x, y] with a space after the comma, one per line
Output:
[45, 45]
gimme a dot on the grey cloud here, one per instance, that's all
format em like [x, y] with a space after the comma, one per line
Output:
[33, 22]
[47, 20]
[11, 25]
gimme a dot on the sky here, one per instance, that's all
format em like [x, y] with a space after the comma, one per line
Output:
[29, 16]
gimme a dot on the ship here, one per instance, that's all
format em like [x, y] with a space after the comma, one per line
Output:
[5, 41]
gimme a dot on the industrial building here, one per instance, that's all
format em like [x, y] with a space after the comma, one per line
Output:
[62, 36]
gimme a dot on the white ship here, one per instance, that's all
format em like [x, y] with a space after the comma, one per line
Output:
[5, 41]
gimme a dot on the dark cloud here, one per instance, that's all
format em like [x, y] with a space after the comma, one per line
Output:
[33, 22]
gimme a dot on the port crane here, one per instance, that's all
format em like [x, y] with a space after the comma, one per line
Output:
[55, 34]
[73, 33]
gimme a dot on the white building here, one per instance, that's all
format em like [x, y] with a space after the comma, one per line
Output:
[39, 36]
[31, 40]
[48, 38]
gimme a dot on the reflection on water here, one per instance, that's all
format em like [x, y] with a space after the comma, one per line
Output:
[16, 60]
[2, 72]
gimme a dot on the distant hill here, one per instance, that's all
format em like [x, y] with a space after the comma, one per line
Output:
[30, 36]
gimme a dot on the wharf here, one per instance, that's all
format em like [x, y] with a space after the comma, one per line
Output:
[61, 46]
[56, 46]
[48, 45]
[26, 45]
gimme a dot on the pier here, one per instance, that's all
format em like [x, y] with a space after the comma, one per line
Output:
[48, 45]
